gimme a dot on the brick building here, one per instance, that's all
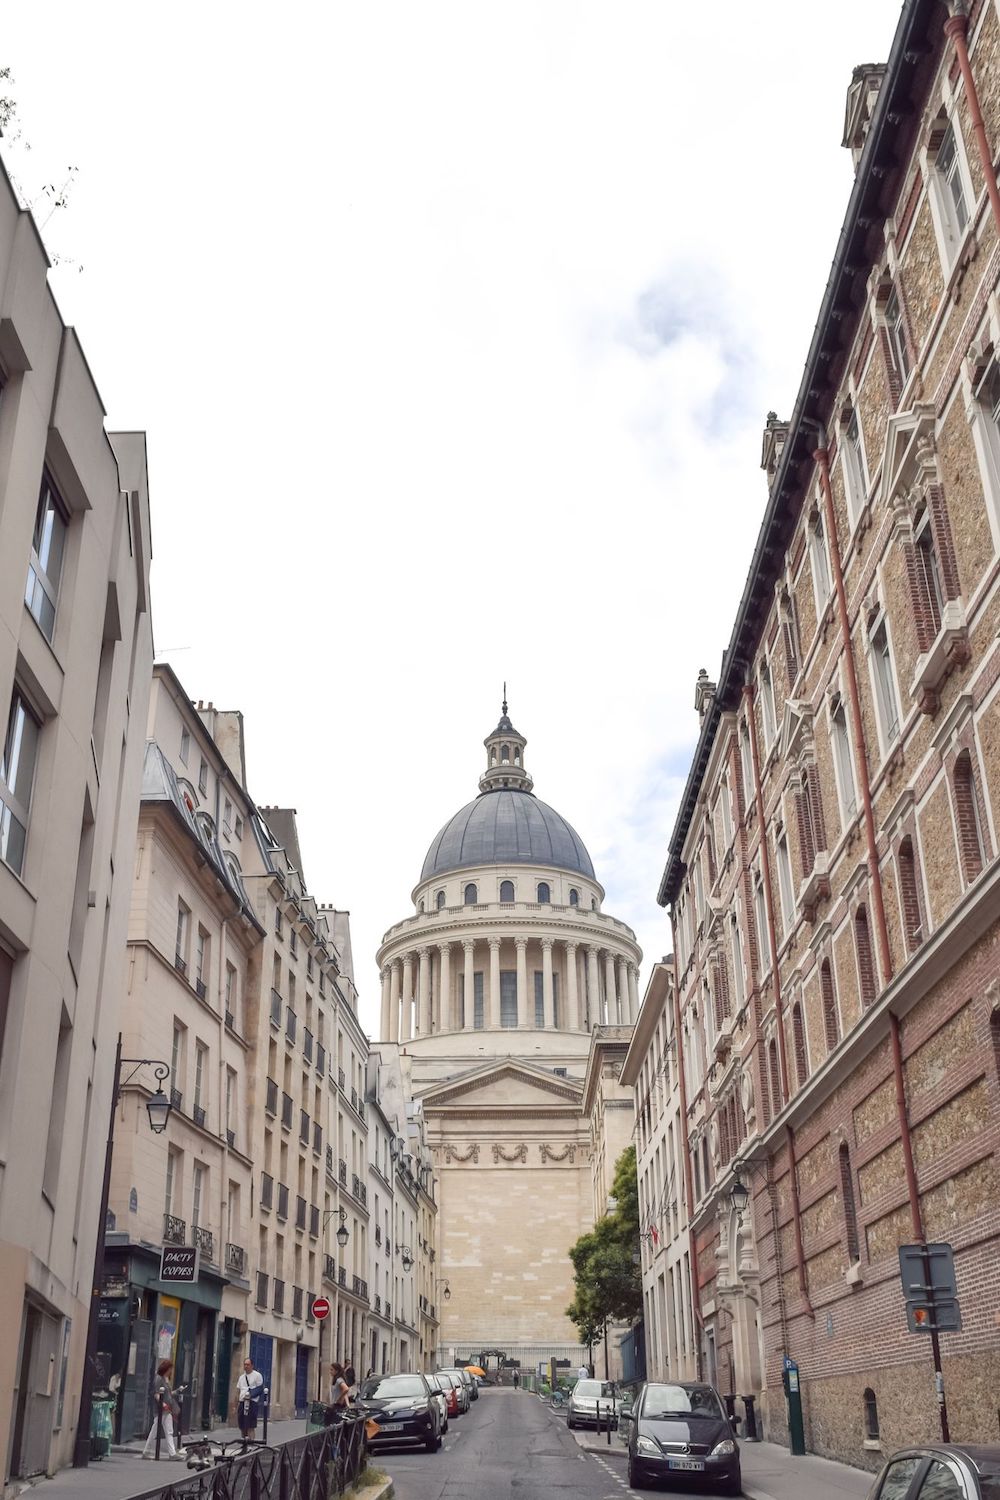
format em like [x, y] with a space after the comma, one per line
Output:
[832, 877]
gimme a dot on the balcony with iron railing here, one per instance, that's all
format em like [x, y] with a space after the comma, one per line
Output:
[342, 1171]
[231, 1139]
[236, 1260]
[358, 1189]
[200, 989]
[204, 1239]
[329, 1268]
[176, 1100]
[282, 1201]
[329, 1162]
[378, 1235]
[198, 1115]
[271, 1097]
[307, 1044]
[180, 965]
[341, 1275]
[300, 1213]
[314, 1221]
[378, 1303]
[360, 1288]
[388, 1309]
[174, 1230]
[287, 1110]
[341, 1079]
[304, 1123]
[230, 1020]
[317, 1137]
[277, 1005]
[354, 1098]
[291, 1023]
[278, 1304]
[320, 1058]
[261, 1294]
[266, 1190]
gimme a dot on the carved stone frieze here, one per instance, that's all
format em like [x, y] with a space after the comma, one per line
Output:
[452, 1153]
[557, 1153]
[516, 1153]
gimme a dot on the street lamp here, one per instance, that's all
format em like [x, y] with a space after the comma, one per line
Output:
[406, 1255]
[739, 1195]
[343, 1233]
[443, 1281]
[158, 1109]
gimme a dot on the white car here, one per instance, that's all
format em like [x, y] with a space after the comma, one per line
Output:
[582, 1408]
[440, 1398]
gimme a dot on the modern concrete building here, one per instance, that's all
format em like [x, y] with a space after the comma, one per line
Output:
[510, 994]
[833, 875]
[75, 656]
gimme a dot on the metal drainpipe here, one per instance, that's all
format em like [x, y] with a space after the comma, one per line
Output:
[686, 1146]
[772, 937]
[822, 457]
[956, 29]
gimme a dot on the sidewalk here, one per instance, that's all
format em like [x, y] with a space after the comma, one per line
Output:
[771, 1473]
[125, 1473]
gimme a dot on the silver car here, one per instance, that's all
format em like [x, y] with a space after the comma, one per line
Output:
[441, 1398]
[582, 1407]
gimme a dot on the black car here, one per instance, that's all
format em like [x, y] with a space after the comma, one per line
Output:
[940, 1471]
[681, 1432]
[405, 1408]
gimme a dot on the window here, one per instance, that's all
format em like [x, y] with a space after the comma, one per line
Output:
[539, 999]
[172, 1194]
[17, 773]
[574, 897]
[200, 1076]
[471, 895]
[774, 1076]
[789, 635]
[200, 1173]
[506, 890]
[785, 882]
[885, 683]
[899, 352]
[843, 763]
[238, 827]
[767, 703]
[738, 974]
[544, 896]
[478, 1019]
[970, 833]
[201, 961]
[185, 746]
[897, 1478]
[746, 765]
[930, 594]
[439, 901]
[227, 818]
[727, 812]
[831, 1021]
[909, 898]
[866, 966]
[508, 998]
[181, 941]
[760, 918]
[854, 468]
[851, 1235]
[203, 777]
[939, 1483]
[954, 199]
[41, 592]
[799, 1042]
[819, 560]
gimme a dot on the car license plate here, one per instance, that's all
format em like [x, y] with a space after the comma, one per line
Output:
[692, 1465]
[390, 1427]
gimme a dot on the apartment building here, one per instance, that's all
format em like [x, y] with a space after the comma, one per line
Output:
[833, 876]
[75, 655]
[193, 958]
[650, 1070]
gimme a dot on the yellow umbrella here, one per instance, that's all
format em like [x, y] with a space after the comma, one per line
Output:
[476, 1370]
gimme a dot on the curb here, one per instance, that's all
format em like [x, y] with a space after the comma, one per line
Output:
[383, 1491]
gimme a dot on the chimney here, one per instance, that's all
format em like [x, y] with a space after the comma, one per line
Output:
[775, 433]
[862, 92]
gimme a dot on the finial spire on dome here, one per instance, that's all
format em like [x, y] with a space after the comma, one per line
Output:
[505, 757]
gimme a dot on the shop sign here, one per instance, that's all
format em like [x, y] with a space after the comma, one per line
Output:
[179, 1263]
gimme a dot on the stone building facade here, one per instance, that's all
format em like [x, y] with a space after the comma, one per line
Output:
[75, 656]
[833, 875]
[509, 993]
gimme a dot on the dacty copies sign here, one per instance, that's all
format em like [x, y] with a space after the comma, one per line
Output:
[179, 1263]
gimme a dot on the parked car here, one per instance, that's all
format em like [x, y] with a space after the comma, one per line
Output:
[405, 1408]
[468, 1381]
[581, 1409]
[940, 1471]
[444, 1400]
[454, 1393]
[681, 1432]
[459, 1387]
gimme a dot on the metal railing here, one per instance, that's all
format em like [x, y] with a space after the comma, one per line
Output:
[262, 1283]
[174, 1230]
[205, 1240]
[236, 1259]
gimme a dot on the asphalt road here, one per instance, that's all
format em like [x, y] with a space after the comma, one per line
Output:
[510, 1446]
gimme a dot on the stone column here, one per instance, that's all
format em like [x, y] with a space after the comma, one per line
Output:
[624, 1016]
[394, 990]
[573, 1021]
[633, 993]
[593, 986]
[610, 996]
[424, 992]
[406, 1019]
[494, 996]
[522, 981]
[470, 985]
[386, 1003]
[446, 1004]
[548, 1016]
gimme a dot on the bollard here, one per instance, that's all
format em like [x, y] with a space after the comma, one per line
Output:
[752, 1435]
[266, 1403]
[159, 1426]
[730, 1408]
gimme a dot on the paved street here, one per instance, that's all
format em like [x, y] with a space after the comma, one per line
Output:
[510, 1444]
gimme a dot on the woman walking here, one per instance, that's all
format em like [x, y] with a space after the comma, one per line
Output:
[166, 1402]
[339, 1393]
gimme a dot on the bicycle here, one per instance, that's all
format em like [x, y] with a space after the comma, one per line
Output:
[205, 1452]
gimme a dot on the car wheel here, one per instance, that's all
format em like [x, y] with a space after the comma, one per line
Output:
[634, 1472]
[570, 1422]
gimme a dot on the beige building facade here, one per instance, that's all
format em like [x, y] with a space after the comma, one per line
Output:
[496, 991]
[75, 655]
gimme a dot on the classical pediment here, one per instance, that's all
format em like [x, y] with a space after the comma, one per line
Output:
[796, 728]
[909, 449]
[500, 1085]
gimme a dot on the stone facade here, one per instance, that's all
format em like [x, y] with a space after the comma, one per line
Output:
[75, 657]
[833, 874]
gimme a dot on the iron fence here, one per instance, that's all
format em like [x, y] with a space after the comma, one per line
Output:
[314, 1467]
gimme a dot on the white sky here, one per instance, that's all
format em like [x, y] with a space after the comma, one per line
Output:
[453, 328]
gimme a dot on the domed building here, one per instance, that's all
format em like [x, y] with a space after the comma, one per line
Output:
[512, 994]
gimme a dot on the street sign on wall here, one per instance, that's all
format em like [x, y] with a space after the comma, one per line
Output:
[179, 1263]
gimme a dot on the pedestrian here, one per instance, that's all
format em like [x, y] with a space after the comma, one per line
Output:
[517, 1379]
[583, 1373]
[339, 1392]
[249, 1394]
[165, 1408]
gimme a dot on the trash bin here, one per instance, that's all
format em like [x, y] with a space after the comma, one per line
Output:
[315, 1419]
[101, 1410]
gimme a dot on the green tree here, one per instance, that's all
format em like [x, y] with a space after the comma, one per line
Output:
[605, 1260]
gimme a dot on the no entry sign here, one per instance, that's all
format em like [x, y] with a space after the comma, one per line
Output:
[321, 1308]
